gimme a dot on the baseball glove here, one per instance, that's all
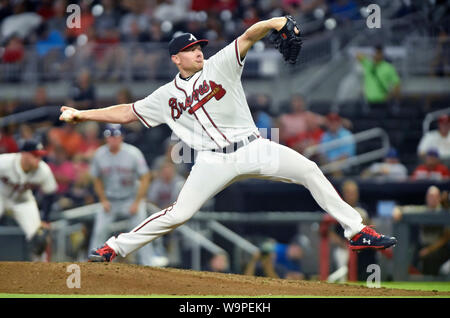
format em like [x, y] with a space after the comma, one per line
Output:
[287, 41]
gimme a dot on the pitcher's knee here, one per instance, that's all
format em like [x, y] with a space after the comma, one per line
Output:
[180, 215]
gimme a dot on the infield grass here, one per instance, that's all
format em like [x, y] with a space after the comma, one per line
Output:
[427, 286]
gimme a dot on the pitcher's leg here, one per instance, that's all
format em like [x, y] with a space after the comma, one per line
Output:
[205, 180]
[295, 168]
[147, 252]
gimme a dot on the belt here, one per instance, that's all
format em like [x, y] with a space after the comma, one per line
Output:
[236, 145]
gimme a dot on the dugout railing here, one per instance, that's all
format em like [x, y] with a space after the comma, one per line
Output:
[358, 138]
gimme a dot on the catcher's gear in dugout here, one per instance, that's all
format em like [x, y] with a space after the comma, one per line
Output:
[40, 241]
[287, 41]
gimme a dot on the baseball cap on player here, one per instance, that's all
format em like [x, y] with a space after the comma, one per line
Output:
[114, 130]
[34, 147]
[184, 41]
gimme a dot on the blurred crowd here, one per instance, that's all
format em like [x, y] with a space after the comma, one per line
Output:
[116, 37]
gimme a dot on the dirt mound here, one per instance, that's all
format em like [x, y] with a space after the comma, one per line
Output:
[124, 279]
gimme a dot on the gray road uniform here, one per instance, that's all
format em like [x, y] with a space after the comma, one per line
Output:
[120, 174]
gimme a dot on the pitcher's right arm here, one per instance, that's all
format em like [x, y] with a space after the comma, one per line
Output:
[117, 114]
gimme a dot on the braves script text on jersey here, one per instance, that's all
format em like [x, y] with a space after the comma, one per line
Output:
[209, 110]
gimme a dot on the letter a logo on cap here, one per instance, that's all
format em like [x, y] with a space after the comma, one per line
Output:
[192, 38]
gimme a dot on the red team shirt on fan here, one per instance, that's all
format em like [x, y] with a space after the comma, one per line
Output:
[207, 111]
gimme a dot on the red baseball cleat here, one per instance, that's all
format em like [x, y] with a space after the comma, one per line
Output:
[102, 254]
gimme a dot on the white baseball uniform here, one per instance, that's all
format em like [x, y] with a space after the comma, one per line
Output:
[209, 111]
[16, 191]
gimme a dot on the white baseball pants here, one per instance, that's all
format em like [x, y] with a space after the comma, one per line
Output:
[214, 171]
[25, 213]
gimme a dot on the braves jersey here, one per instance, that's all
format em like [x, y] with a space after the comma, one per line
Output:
[119, 172]
[16, 185]
[207, 111]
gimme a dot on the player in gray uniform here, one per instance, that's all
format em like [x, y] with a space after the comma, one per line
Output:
[121, 178]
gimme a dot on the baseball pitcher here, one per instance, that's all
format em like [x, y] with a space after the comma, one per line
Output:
[20, 174]
[205, 106]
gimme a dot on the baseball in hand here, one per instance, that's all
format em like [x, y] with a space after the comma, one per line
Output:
[67, 115]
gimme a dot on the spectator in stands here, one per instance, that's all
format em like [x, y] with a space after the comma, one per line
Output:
[166, 186]
[21, 22]
[91, 141]
[7, 107]
[48, 42]
[40, 99]
[260, 109]
[58, 22]
[82, 191]
[300, 128]
[174, 11]
[262, 262]
[433, 248]
[14, 51]
[439, 139]
[381, 81]
[67, 137]
[133, 23]
[13, 59]
[7, 142]
[390, 169]
[344, 10]
[292, 7]
[83, 93]
[25, 133]
[432, 168]
[107, 24]
[219, 263]
[336, 131]
[288, 260]
[45, 9]
[441, 63]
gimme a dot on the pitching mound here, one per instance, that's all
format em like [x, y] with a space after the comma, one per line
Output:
[124, 279]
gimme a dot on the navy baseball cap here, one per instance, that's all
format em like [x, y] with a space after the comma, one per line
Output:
[433, 153]
[33, 146]
[184, 41]
[392, 153]
[114, 130]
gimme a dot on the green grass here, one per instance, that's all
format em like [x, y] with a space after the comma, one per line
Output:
[196, 296]
[427, 286]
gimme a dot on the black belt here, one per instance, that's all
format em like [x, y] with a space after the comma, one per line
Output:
[236, 145]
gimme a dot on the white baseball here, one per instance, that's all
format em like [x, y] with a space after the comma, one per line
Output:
[67, 115]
